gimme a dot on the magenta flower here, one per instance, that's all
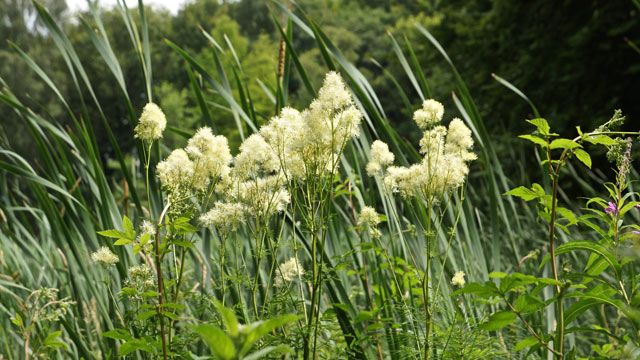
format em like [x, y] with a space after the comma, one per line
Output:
[638, 206]
[635, 232]
[612, 208]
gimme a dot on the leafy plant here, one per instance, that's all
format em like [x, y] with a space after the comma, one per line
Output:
[236, 342]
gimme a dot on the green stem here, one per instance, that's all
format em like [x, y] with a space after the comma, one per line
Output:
[425, 285]
[555, 174]
[160, 282]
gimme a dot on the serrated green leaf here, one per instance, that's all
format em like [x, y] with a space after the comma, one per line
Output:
[364, 316]
[535, 139]
[185, 244]
[128, 227]
[487, 290]
[525, 343]
[541, 124]
[527, 303]
[497, 275]
[184, 228]
[145, 315]
[128, 291]
[52, 336]
[601, 140]
[583, 156]
[122, 242]
[567, 215]
[499, 320]
[113, 233]
[261, 354]
[145, 238]
[118, 334]
[170, 315]
[55, 344]
[135, 344]
[255, 332]
[563, 144]
[150, 294]
[523, 192]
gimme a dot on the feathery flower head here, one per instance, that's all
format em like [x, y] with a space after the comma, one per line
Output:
[380, 156]
[151, 124]
[147, 227]
[458, 279]
[284, 130]
[459, 135]
[368, 217]
[289, 271]
[430, 114]
[176, 169]
[210, 154]
[255, 156]
[446, 154]
[224, 216]
[285, 134]
[104, 256]
[261, 196]
[331, 120]
[333, 94]
[398, 179]
[432, 142]
[346, 124]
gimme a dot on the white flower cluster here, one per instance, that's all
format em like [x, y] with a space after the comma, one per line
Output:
[224, 216]
[458, 279]
[446, 154]
[293, 146]
[210, 155]
[140, 279]
[431, 113]
[380, 157]
[147, 227]
[370, 219]
[151, 124]
[288, 272]
[176, 169]
[104, 256]
[310, 143]
[262, 196]
[205, 159]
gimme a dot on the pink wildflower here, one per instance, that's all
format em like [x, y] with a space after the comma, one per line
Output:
[612, 208]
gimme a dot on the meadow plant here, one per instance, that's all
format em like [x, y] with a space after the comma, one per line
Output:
[41, 307]
[443, 169]
[286, 173]
[607, 284]
[225, 247]
[291, 163]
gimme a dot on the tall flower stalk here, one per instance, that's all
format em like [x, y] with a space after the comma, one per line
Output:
[443, 169]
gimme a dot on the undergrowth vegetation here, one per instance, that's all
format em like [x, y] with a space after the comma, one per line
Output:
[326, 235]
